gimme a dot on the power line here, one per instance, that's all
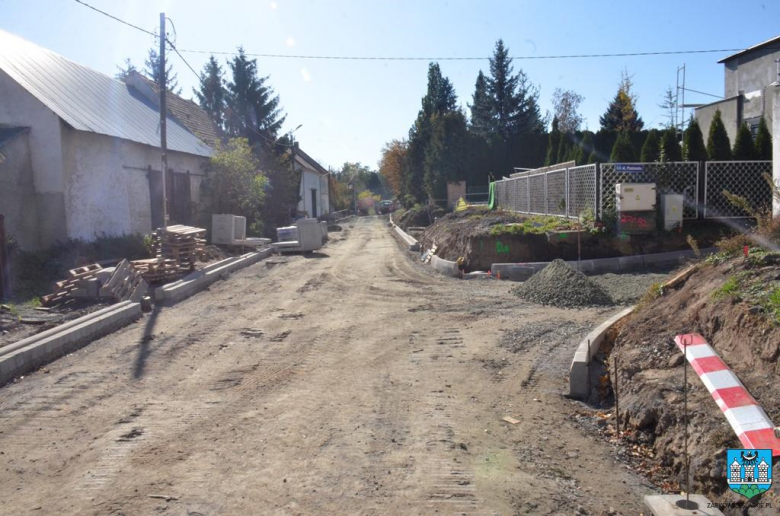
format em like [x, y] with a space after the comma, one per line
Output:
[409, 58]
[117, 19]
[413, 58]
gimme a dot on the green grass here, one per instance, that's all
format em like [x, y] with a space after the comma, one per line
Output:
[731, 288]
[538, 225]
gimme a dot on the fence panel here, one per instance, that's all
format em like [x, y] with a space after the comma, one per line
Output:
[536, 193]
[743, 178]
[556, 192]
[680, 177]
[583, 183]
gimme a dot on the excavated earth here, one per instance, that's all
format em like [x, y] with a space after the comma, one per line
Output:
[651, 374]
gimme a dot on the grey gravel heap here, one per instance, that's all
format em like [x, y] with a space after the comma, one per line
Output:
[561, 286]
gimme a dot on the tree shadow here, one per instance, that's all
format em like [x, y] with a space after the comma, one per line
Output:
[145, 343]
[315, 254]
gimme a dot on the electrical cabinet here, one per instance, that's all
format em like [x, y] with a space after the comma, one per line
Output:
[672, 211]
[635, 196]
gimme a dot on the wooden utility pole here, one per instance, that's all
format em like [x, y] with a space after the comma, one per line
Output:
[163, 119]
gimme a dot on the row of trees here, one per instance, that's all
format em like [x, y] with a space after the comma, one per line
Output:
[251, 174]
[505, 127]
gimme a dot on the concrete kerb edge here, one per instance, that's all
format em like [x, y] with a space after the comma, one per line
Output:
[602, 265]
[445, 267]
[47, 348]
[405, 237]
[579, 386]
[200, 280]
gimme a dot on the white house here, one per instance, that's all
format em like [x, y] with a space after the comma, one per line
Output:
[314, 199]
[80, 151]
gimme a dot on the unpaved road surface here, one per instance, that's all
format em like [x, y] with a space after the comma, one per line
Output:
[349, 381]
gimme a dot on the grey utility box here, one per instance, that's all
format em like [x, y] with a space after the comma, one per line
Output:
[672, 211]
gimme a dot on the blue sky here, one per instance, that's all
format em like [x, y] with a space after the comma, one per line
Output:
[349, 109]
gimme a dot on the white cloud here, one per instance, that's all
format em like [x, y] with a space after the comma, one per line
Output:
[290, 42]
[274, 5]
[305, 75]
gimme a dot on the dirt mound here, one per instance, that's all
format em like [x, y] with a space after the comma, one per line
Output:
[560, 285]
[420, 216]
[730, 304]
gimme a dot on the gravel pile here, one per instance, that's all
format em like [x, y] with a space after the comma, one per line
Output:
[560, 285]
[627, 288]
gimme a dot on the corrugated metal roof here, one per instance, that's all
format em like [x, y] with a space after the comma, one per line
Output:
[776, 39]
[88, 100]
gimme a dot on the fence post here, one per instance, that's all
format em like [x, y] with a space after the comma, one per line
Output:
[598, 215]
[701, 187]
[5, 267]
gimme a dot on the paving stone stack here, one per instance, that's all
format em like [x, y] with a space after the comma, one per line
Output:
[185, 244]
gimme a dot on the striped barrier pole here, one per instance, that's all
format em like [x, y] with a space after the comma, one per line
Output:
[749, 421]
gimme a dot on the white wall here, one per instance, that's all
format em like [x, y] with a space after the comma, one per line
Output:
[20, 108]
[17, 193]
[309, 180]
[106, 193]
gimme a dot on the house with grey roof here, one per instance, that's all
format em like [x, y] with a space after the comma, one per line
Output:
[80, 151]
[748, 80]
[313, 197]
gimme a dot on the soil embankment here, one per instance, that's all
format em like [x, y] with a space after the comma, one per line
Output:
[733, 305]
[484, 237]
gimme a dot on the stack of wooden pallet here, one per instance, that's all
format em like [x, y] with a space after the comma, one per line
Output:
[78, 280]
[184, 244]
[157, 270]
[125, 284]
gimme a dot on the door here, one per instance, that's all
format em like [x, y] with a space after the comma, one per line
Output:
[314, 203]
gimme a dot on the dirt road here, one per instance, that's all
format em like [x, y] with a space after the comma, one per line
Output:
[350, 381]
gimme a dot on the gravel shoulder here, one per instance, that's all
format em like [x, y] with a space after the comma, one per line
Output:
[351, 380]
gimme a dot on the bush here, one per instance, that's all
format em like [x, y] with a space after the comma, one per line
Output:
[623, 150]
[651, 150]
[693, 142]
[670, 146]
[763, 141]
[718, 144]
[743, 145]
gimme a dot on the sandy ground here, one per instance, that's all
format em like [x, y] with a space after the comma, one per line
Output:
[349, 381]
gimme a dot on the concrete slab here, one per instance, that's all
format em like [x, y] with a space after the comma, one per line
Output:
[445, 267]
[667, 505]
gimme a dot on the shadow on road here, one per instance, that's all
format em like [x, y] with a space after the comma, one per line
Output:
[145, 349]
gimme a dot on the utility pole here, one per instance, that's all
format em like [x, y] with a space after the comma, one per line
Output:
[163, 120]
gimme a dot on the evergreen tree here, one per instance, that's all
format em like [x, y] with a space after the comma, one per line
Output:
[439, 98]
[445, 154]
[564, 148]
[623, 150]
[763, 141]
[693, 142]
[593, 157]
[651, 150]
[252, 109]
[584, 149]
[554, 141]
[126, 70]
[481, 108]
[744, 149]
[670, 146]
[621, 113]
[718, 144]
[211, 92]
[515, 99]
[152, 71]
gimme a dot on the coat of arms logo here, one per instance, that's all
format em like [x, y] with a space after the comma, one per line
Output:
[749, 472]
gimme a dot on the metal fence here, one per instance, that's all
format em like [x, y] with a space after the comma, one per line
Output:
[743, 178]
[574, 191]
[670, 178]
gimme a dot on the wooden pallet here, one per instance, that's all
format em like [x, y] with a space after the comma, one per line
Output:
[125, 284]
[158, 270]
[66, 288]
